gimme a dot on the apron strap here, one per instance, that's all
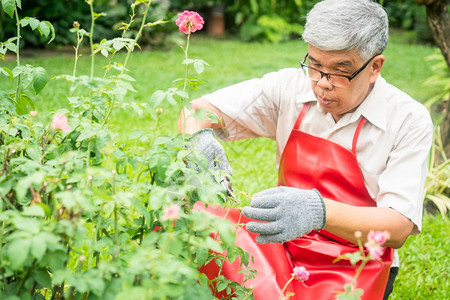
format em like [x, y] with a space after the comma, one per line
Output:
[301, 115]
[355, 136]
[357, 131]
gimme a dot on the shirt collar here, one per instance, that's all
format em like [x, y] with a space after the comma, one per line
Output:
[373, 108]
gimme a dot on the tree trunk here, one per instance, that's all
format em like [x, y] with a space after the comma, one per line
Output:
[438, 19]
[445, 130]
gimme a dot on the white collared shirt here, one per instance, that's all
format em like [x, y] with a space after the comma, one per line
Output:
[392, 148]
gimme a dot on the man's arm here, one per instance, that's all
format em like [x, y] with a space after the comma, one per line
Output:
[293, 212]
[343, 220]
[190, 125]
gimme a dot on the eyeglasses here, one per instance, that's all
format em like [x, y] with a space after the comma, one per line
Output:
[334, 79]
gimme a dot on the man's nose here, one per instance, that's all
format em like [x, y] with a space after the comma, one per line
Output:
[324, 82]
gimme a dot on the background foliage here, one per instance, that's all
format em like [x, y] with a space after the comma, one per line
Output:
[268, 20]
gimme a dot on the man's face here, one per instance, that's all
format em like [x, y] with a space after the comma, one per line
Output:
[340, 100]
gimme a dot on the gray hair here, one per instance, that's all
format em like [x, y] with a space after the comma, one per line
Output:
[347, 25]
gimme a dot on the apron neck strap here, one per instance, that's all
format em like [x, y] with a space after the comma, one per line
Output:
[356, 135]
[301, 115]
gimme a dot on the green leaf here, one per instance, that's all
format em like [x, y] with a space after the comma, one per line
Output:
[354, 257]
[7, 72]
[43, 278]
[202, 255]
[24, 104]
[157, 97]
[7, 102]
[151, 24]
[18, 252]
[226, 233]
[9, 6]
[34, 23]
[221, 285]
[38, 246]
[40, 79]
[199, 67]
[34, 211]
[46, 209]
[44, 29]
[358, 292]
[34, 153]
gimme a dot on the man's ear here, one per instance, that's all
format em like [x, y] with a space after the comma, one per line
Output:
[375, 67]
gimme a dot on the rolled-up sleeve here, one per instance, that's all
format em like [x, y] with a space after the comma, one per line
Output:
[402, 182]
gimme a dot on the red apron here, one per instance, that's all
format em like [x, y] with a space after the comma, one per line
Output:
[310, 162]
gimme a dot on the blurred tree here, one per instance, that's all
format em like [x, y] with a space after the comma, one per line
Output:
[438, 19]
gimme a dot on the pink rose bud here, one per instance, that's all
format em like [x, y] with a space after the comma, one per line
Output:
[358, 234]
[60, 122]
[33, 113]
[189, 21]
[300, 274]
[76, 24]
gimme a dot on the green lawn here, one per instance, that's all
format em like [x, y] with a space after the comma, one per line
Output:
[424, 258]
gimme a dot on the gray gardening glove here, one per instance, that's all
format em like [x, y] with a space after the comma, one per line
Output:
[290, 212]
[205, 141]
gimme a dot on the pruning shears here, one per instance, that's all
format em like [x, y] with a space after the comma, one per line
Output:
[226, 183]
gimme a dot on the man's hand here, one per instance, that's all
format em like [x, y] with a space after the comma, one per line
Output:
[290, 213]
[205, 141]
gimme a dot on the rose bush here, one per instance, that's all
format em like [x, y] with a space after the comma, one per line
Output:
[83, 217]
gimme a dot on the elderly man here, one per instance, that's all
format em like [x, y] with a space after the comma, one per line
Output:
[351, 152]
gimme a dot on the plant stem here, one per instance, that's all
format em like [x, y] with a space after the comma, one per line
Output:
[79, 40]
[186, 73]
[361, 267]
[285, 286]
[91, 38]
[138, 35]
[17, 53]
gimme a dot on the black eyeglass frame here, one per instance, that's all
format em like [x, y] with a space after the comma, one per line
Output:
[349, 77]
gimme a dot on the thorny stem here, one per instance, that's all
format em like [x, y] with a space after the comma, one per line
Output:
[91, 34]
[18, 36]
[361, 267]
[18, 51]
[285, 286]
[79, 40]
[5, 161]
[26, 277]
[138, 35]
[186, 72]
[115, 210]
[125, 30]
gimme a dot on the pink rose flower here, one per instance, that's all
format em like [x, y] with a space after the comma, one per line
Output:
[375, 242]
[379, 237]
[172, 212]
[300, 274]
[60, 122]
[189, 21]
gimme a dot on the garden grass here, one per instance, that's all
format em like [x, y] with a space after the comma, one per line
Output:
[424, 258]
